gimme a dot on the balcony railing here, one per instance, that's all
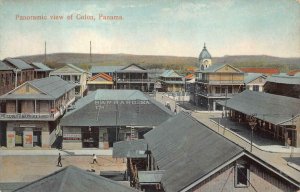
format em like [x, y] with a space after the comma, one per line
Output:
[29, 116]
[134, 80]
[230, 82]
[223, 95]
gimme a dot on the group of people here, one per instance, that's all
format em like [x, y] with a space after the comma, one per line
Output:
[59, 164]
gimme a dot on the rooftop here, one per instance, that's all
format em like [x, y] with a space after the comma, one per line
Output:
[4, 67]
[179, 147]
[276, 109]
[130, 149]
[204, 54]
[18, 63]
[170, 73]
[74, 179]
[284, 79]
[50, 88]
[252, 76]
[41, 67]
[129, 107]
[105, 69]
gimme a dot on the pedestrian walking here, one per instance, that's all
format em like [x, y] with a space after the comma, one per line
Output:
[175, 111]
[59, 160]
[94, 159]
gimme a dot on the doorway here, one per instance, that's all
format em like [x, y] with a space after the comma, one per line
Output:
[90, 137]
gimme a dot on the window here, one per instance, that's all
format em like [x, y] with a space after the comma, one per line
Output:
[242, 175]
[255, 87]
[229, 90]
[218, 90]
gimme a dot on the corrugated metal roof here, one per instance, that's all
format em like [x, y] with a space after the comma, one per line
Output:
[105, 69]
[129, 107]
[272, 108]
[252, 76]
[52, 87]
[18, 63]
[170, 73]
[76, 68]
[4, 67]
[150, 176]
[74, 179]
[8, 187]
[187, 150]
[130, 149]
[41, 67]
[284, 79]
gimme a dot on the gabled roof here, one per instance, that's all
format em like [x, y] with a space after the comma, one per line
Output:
[284, 79]
[105, 69]
[130, 149]
[268, 71]
[49, 88]
[68, 68]
[74, 179]
[17, 63]
[276, 109]
[4, 67]
[101, 77]
[293, 72]
[249, 77]
[187, 150]
[215, 67]
[190, 76]
[132, 68]
[170, 73]
[104, 106]
[40, 67]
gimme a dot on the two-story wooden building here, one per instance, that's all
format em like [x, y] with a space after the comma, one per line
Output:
[133, 77]
[32, 110]
[217, 82]
[7, 78]
[171, 81]
[22, 71]
[75, 75]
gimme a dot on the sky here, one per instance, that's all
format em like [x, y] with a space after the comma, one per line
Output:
[158, 27]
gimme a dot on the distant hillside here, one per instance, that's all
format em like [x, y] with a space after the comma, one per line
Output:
[152, 61]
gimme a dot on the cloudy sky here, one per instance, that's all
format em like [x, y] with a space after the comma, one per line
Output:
[159, 27]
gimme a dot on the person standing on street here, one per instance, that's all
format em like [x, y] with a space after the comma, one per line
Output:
[94, 159]
[59, 160]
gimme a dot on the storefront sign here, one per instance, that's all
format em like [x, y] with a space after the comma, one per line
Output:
[24, 116]
[72, 136]
[99, 104]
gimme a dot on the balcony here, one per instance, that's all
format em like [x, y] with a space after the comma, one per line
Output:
[134, 81]
[212, 82]
[29, 116]
[218, 95]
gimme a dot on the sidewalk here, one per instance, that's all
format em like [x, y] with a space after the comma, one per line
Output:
[45, 152]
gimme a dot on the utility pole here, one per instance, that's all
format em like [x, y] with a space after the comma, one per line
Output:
[45, 56]
[90, 51]
[252, 123]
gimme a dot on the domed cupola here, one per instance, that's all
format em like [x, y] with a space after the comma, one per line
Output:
[204, 59]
